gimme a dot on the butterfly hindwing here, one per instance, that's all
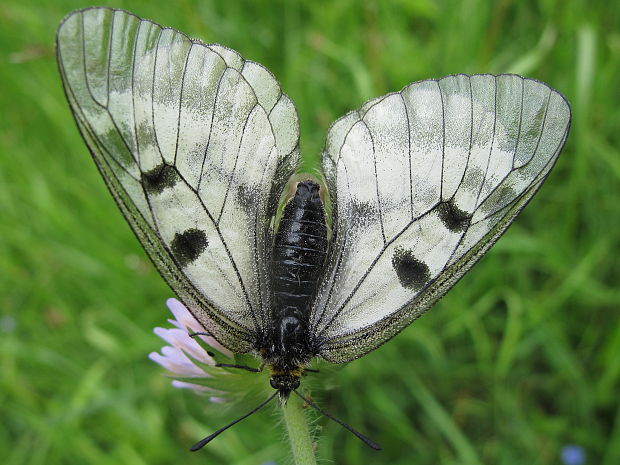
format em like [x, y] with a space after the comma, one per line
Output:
[195, 143]
[422, 183]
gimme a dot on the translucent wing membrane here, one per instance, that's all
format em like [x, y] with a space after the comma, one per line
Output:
[423, 182]
[195, 143]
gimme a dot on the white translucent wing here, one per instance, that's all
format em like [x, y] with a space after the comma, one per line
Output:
[423, 182]
[195, 143]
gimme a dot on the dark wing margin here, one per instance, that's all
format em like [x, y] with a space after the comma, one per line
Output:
[195, 144]
[423, 182]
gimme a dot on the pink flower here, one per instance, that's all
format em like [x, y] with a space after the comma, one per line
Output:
[183, 356]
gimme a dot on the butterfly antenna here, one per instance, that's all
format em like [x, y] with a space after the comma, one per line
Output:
[205, 441]
[369, 442]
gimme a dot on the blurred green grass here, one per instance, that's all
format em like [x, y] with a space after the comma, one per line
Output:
[520, 359]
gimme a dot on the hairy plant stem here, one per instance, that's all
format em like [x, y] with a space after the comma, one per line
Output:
[298, 432]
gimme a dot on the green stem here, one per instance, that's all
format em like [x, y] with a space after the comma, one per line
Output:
[298, 432]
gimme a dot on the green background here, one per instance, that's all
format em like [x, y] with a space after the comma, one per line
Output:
[521, 358]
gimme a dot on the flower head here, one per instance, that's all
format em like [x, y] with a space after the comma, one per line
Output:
[185, 357]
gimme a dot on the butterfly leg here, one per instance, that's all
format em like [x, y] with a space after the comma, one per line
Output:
[228, 365]
[242, 367]
[199, 334]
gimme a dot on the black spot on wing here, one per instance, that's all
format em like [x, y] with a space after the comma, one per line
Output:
[453, 218]
[363, 213]
[247, 198]
[188, 245]
[160, 177]
[411, 272]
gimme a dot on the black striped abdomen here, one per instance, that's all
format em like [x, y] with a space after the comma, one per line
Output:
[299, 251]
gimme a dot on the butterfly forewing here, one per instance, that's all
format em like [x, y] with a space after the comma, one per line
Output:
[195, 144]
[422, 183]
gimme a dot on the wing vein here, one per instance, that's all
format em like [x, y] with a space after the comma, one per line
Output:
[176, 144]
[443, 140]
[234, 170]
[341, 249]
[84, 68]
[257, 258]
[520, 124]
[374, 159]
[109, 61]
[471, 139]
[408, 153]
[138, 157]
[215, 101]
[542, 130]
[153, 126]
[486, 170]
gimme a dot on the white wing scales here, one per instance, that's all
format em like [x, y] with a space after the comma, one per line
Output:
[423, 182]
[195, 144]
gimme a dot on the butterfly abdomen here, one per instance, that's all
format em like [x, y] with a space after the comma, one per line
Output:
[299, 248]
[299, 252]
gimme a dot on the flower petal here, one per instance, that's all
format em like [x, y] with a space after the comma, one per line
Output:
[184, 320]
[177, 363]
[180, 339]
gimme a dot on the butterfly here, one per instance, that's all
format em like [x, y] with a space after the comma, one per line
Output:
[196, 145]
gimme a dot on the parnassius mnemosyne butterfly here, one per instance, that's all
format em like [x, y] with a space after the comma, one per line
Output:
[196, 144]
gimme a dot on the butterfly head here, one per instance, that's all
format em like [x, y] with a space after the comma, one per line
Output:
[284, 383]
